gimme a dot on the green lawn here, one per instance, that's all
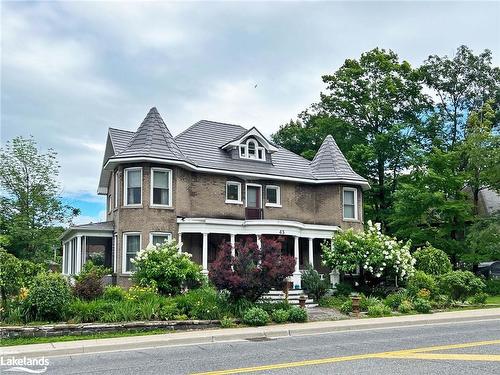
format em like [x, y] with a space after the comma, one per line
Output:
[493, 300]
[104, 335]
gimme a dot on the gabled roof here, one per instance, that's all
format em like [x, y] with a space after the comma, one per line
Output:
[252, 132]
[329, 162]
[152, 139]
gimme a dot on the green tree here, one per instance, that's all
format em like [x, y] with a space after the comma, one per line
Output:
[31, 210]
[483, 240]
[462, 83]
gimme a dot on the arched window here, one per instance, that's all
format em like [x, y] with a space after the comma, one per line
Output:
[252, 149]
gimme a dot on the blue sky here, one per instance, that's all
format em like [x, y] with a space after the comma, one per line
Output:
[71, 69]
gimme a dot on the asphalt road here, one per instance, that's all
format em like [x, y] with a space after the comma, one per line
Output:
[475, 350]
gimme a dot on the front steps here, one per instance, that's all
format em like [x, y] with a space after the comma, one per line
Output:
[293, 297]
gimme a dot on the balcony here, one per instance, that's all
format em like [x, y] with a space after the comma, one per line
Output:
[254, 213]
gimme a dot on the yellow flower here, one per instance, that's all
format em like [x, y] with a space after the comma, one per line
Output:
[23, 294]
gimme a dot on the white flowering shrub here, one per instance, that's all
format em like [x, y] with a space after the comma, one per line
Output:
[165, 268]
[378, 254]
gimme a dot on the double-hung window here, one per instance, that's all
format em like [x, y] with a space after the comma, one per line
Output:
[133, 184]
[233, 192]
[273, 196]
[131, 245]
[158, 238]
[350, 203]
[161, 187]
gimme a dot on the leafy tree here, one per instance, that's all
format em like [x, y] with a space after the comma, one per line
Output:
[461, 284]
[462, 84]
[30, 206]
[483, 240]
[253, 271]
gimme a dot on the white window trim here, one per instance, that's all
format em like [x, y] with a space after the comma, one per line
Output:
[231, 201]
[124, 250]
[115, 248]
[166, 234]
[246, 193]
[355, 204]
[125, 190]
[257, 149]
[241, 148]
[278, 196]
[116, 189]
[151, 204]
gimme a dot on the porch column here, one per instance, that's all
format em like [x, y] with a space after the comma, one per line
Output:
[64, 258]
[259, 242]
[78, 254]
[233, 242]
[311, 253]
[179, 242]
[296, 274]
[204, 254]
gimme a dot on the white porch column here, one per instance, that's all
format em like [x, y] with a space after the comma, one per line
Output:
[296, 274]
[64, 258]
[334, 277]
[311, 253]
[78, 254]
[259, 242]
[179, 242]
[233, 242]
[204, 254]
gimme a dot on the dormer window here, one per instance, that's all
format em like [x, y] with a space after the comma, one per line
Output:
[252, 150]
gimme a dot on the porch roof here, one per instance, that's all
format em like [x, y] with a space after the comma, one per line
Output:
[100, 229]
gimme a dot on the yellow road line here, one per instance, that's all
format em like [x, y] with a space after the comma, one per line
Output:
[417, 353]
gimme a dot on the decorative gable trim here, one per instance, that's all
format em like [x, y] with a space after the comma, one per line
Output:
[253, 132]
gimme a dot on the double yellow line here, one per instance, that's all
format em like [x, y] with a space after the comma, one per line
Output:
[419, 353]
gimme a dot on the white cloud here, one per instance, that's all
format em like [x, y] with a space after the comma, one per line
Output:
[84, 219]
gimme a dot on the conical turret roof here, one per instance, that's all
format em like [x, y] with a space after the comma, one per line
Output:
[330, 163]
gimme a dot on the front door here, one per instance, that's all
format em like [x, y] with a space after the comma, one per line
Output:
[253, 210]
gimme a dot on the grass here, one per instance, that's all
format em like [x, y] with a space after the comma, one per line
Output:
[493, 300]
[103, 335]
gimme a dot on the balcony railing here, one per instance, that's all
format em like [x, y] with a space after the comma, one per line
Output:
[254, 213]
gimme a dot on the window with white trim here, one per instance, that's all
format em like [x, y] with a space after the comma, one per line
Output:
[233, 192]
[158, 238]
[252, 150]
[131, 245]
[161, 187]
[273, 196]
[350, 203]
[116, 190]
[133, 184]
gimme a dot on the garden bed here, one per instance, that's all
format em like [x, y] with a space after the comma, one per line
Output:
[65, 329]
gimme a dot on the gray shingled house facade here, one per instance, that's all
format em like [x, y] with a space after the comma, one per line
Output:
[213, 182]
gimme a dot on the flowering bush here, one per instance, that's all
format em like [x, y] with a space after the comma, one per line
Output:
[378, 254]
[253, 271]
[166, 269]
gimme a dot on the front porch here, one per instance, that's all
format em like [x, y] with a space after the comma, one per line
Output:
[202, 237]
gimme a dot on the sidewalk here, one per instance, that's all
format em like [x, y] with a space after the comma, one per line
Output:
[232, 334]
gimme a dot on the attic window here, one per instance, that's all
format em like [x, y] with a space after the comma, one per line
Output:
[252, 150]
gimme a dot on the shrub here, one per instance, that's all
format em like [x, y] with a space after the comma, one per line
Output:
[492, 287]
[280, 315]
[332, 302]
[253, 271]
[432, 261]
[405, 306]
[166, 269]
[89, 311]
[424, 294]
[313, 284]
[125, 311]
[346, 307]
[460, 284]
[203, 303]
[421, 280]
[49, 296]
[381, 256]
[379, 310]
[366, 302]
[256, 316]
[343, 289]
[88, 287]
[239, 307]
[422, 305]
[394, 300]
[169, 310]
[479, 298]
[227, 322]
[297, 315]
[114, 293]
[441, 301]
[269, 307]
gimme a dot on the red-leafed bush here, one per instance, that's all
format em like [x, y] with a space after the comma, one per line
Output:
[253, 271]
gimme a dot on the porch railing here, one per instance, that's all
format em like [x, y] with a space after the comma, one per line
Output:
[254, 213]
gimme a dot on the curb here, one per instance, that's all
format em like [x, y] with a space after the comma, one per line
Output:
[238, 334]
